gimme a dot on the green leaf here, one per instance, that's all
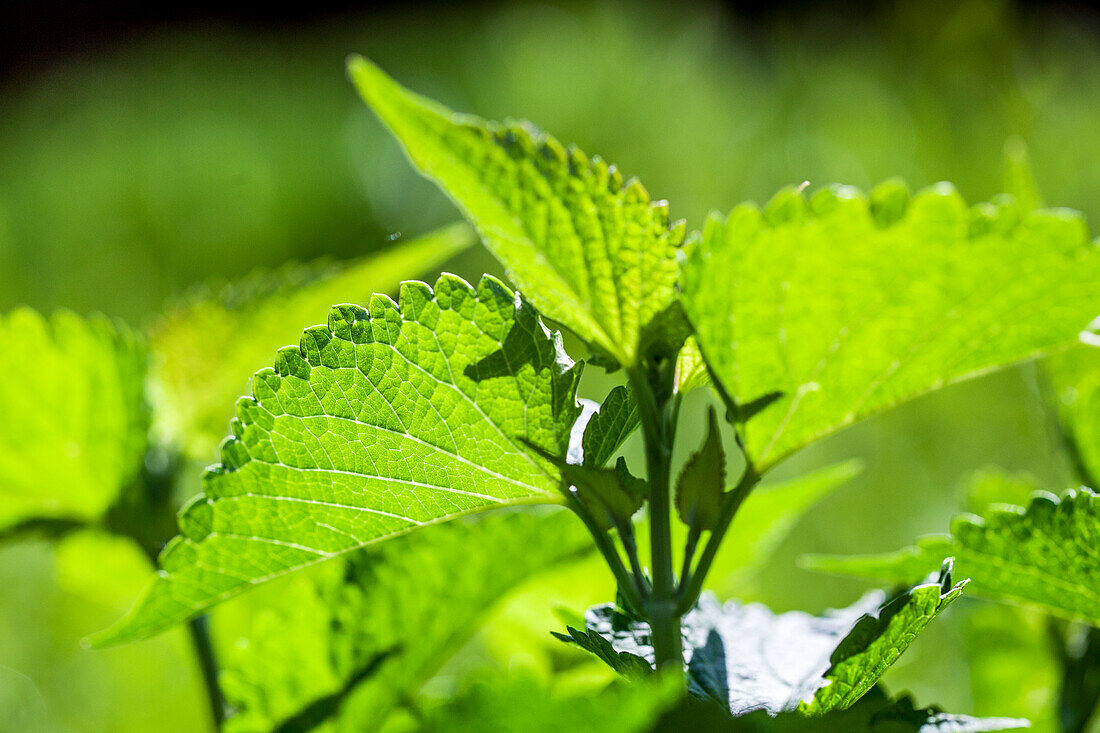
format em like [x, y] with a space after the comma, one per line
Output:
[609, 427]
[1010, 662]
[844, 314]
[611, 495]
[518, 703]
[359, 638]
[625, 663]
[1043, 555]
[385, 420]
[876, 642]
[691, 368]
[874, 713]
[700, 488]
[812, 664]
[204, 349]
[1074, 378]
[591, 252]
[75, 421]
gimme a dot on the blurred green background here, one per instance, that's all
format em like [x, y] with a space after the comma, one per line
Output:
[183, 153]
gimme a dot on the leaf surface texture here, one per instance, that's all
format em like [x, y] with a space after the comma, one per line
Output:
[845, 305]
[386, 419]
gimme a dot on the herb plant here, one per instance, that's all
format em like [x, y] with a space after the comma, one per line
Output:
[804, 316]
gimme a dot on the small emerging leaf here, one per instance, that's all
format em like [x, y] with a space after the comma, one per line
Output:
[609, 428]
[593, 252]
[383, 421]
[612, 495]
[700, 488]
[691, 369]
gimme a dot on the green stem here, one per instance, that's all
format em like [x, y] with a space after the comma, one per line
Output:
[690, 588]
[689, 553]
[626, 534]
[664, 620]
[204, 650]
[606, 546]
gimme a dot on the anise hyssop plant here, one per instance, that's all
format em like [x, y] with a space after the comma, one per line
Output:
[804, 316]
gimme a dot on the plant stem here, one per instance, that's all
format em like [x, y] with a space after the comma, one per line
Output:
[204, 650]
[690, 588]
[664, 619]
[626, 534]
[630, 586]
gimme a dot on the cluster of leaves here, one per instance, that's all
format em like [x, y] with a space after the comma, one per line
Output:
[806, 315]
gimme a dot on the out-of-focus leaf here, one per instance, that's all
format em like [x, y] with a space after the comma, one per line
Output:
[1043, 555]
[1010, 662]
[74, 420]
[520, 704]
[382, 421]
[1019, 179]
[359, 638]
[592, 252]
[1074, 378]
[101, 567]
[765, 520]
[844, 315]
[748, 658]
[204, 350]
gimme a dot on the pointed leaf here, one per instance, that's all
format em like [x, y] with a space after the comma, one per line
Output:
[1044, 554]
[354, 642]
[612, 495]
[592, 252]
[383, 421]
[699, 490]
[75, 421]
[204, 350]
[610, 426]
[748, 658]
[691, 369]
[876, 642]
[844, 313]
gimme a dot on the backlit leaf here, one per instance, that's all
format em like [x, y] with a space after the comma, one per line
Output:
[844, 310]
[204, 350]
[74, 419]
[1043, 555]
[591, 251]
[382, 421]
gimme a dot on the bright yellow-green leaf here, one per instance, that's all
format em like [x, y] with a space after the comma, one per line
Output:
[204, 350]
[591, 251]
[382, 421]
[1042, 555]
[74, 426]
[845, 305]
